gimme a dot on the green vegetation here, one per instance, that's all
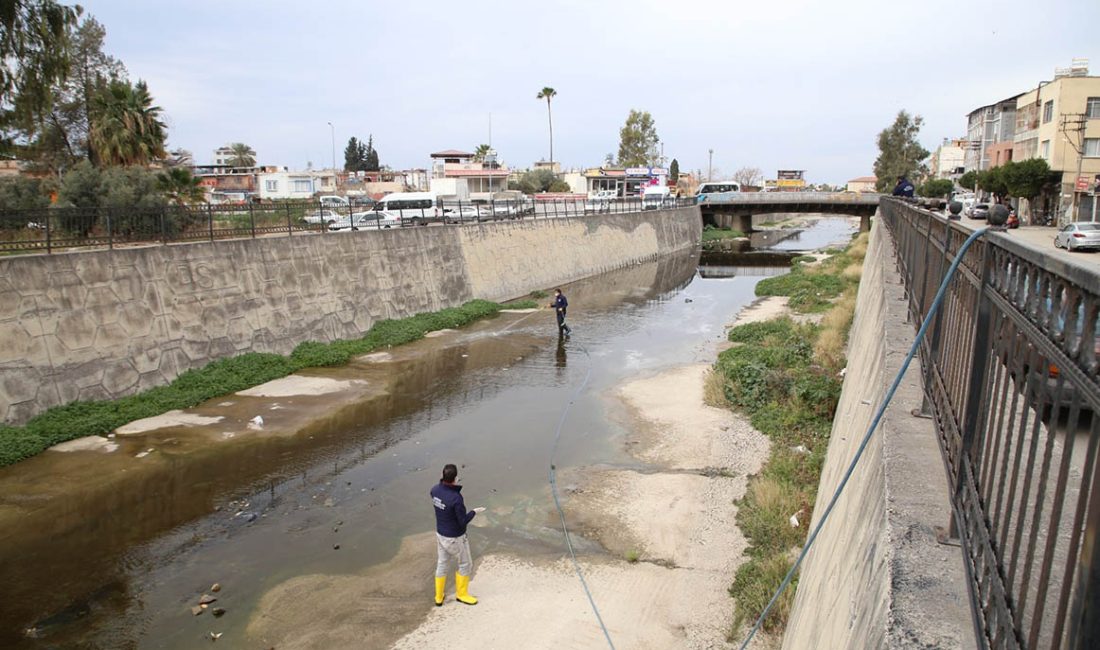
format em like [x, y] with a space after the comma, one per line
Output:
[523, 304]
[935, 188]
[785, 376]
[539, 294]
[900, 152]
[632, 556]
[79, 419]
[638, 140]
[710, 233]
[539, 180]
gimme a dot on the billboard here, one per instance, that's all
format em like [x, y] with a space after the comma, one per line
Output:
[790, 174]
[791, 183]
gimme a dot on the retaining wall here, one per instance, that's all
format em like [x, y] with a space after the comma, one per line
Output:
[876, 577]
[101, 324]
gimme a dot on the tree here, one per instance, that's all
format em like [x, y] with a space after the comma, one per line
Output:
[481, 152]
[126, 127]
[548, 93]
[180, 186]
[370, 156]
[993, 181]
[899, 152]
[34, 57]
[242, 155]
[609, 160]
[674, 171]
[969, 179]
[1029, 178]
[22, 193]
[540, 180]
[638, 140]
[935, 187]
[355, 156]
[750, 176]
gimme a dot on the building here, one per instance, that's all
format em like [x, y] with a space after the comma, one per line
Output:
[282, 185]
[862, 184]
[222, 155]
[1056, 121]
[990, 135]
[480, 177]
[949, 159]
[628, 182]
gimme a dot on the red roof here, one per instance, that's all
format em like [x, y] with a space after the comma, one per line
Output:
[452, 153]
[864, 179]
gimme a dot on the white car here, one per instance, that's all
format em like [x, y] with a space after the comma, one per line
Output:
[600, 201]
[323, 216]
[372, 220]
[1077, 236]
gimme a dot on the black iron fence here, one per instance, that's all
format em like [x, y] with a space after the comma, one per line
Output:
[51, 229]
[1010, 377]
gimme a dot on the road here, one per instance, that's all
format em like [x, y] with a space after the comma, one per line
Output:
[1042, 237]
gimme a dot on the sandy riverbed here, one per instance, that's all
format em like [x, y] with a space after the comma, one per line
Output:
[675, 515]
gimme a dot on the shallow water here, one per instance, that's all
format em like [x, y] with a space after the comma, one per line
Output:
[118, 563]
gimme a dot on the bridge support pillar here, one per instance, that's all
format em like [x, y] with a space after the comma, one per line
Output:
[744, 223]
[865, 223]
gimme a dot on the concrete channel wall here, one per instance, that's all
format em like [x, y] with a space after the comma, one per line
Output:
[101, 324]
[876, 576]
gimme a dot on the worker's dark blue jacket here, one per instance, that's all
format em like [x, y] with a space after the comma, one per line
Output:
[560, 303]
[903, 188]
[450, 510]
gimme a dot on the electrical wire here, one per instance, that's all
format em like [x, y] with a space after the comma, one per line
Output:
[870, 429]
[557, 501]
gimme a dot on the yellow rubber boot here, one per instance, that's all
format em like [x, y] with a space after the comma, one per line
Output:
[462, 583]
[439, 584]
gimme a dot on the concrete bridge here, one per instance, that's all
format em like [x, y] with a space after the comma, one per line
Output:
[735, 209]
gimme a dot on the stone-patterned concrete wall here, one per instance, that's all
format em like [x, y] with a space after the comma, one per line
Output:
[101, 324]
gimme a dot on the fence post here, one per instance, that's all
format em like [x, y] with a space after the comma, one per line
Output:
[289, 227]
[49, 248]
[110, 232]
[252, 219]
[210, 220]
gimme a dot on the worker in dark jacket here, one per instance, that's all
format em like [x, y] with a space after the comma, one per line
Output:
[560, 305]
[904, 187]
[451, 519]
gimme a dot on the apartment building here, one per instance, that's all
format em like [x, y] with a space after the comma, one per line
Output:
[1059, 121]
[990, 135]
[949, 159]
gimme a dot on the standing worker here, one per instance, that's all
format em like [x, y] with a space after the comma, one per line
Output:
[560, 304]
[451, 519]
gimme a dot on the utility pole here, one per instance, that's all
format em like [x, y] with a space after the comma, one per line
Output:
[1075, 123]
[334, 178]
[710, 163]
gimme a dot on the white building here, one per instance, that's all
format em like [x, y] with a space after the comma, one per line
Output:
[949, 159]
[283, 185]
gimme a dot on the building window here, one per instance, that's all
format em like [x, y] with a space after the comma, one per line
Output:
[1048, 111]
[271, 186]
[303, 185]
[1044, 150]
[1092, 108]
[1092, 147]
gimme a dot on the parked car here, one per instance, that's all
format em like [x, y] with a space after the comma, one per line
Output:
[600, 201]
[1082, 235]
[333, 202]
[372, 220]
[979, 211]
[323, 216]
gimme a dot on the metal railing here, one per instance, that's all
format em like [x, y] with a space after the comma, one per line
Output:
[51, 229]
[1010, 378]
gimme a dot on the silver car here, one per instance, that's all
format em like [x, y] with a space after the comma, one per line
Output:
[1082, 235]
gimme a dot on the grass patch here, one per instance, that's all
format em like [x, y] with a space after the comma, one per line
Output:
[785, 376]
[710, 233]
[632, 556]
[522, 304]
[221, 377]
[538, 294]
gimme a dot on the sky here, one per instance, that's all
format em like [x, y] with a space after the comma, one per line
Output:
[774, 85]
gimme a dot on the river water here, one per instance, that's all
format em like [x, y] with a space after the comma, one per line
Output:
[111, 551]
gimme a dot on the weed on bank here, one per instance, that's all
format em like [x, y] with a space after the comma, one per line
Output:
[221, 377]
[785, 376]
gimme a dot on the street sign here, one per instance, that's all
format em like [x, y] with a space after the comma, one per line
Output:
[1082, 183]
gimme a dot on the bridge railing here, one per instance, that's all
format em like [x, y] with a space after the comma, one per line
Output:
[1010, 378]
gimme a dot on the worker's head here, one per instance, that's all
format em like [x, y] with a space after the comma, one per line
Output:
[450, 473]
[557, 292]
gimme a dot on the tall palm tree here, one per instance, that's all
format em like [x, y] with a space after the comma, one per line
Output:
[243, 155]
[181, 186]
[547, 93]
[126, 128]
[481, 151]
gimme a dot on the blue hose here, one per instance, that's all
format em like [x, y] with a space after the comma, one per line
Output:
[870, 430]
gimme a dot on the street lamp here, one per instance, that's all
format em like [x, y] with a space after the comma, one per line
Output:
[333, 129]
[710, 163]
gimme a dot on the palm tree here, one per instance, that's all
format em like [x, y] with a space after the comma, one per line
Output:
[547, 93]
[481, 151]
[126, 128]
[243, 155]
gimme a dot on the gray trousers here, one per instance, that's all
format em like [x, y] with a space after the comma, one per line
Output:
[456, 547]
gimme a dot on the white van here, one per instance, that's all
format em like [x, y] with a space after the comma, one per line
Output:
[334, 202]
[417, 207]
[655, 196]
[715, 187]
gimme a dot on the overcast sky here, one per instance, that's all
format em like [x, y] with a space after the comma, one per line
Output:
[774, 85]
